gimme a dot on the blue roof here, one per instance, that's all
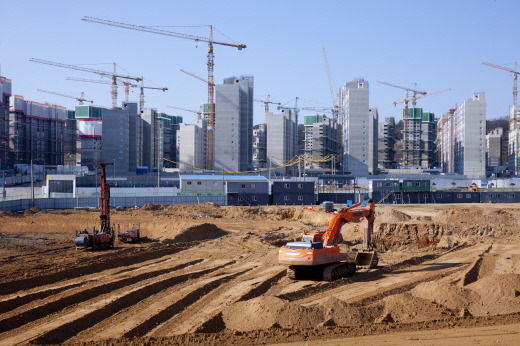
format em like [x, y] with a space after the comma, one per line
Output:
[223, 177]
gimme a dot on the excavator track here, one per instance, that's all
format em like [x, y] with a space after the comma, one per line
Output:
[337, 270]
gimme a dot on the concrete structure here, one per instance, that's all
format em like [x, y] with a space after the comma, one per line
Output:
[36, 132]
[191, 145]
[386, 141]
[321, 142]
[282, 139]
[260, 146]
[355, 97]
[514, 140]
[5, 93]
[419, 135]
[494, 147]
[104, 136]
[463, 138]
[233, 134]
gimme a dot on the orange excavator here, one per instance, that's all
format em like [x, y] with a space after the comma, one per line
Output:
[318, 254]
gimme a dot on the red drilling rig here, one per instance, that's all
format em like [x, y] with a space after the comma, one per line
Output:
[104, 236]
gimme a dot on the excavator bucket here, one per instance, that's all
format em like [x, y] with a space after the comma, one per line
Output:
[366, 259]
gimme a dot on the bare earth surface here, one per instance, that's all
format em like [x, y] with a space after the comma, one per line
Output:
[204, 274]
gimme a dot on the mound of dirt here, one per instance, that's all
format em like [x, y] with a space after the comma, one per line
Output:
[408, 308]
[150, 206]
[393, 215]
[500, 294]
[208, 209]
[480, 221]
[257, 313]
[200, 232]
[446, 294]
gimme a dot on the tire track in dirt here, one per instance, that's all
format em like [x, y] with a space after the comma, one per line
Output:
[179, 306]
[60, 327]
[206, 313]
[82, 296]
[110, 260]
[14, 303]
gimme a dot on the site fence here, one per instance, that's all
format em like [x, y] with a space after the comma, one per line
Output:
[16, 204]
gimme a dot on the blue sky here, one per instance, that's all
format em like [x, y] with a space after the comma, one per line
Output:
[436, 44]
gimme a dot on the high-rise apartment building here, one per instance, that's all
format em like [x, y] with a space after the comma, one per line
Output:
[386, 140]
[494, 147]
[419, 136]
[36, 132]
[191, 144]
[282, 139]
[356, 131]
[5, 93]
[153, 138]
[514, 139]
[445, 142]
[105, 136]
[463, 134]
[170, 125]
[321, 142]
[233, 133]
[260, 146]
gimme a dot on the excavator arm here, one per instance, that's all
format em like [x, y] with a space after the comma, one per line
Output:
[332, 235]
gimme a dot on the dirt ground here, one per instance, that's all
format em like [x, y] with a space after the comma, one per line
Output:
[204, 274]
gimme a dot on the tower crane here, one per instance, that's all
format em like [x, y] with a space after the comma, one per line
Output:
[210, 64]
[515, 73]
[413, 91]
[199, 113]
[113, 75]
[79, 99]
[127, 85]
[415, 98]
[267, 101]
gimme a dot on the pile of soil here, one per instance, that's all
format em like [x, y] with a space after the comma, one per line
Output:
[200, 232]
[393, 215]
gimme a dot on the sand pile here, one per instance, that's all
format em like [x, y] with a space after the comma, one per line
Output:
[480, 221]
[199, 232]
[393, 215]
[500, 294]
[408, 308]
[446, 294]
[269, 312]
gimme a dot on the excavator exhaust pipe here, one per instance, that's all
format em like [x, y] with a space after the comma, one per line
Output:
[366, 259]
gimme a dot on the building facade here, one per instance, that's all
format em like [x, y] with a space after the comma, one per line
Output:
[191, 144]
[494, 147]
[463, 148]
[105, 136]
[373, 121]
[321, 142]
[260, 146]
[419, 137]
[355, 99]
[514, 139]
[282, 139]
[233, 133]
[36, 132]
[386, 141]
[5, 94]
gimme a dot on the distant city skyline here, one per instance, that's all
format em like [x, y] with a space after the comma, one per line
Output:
[436, 44]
